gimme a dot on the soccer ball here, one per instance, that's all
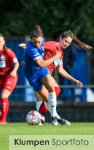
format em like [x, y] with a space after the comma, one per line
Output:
[34, 118]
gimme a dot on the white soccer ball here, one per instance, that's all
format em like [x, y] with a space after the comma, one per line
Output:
[34, 118]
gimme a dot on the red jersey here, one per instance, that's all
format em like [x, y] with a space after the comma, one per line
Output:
[51, 48]
[7, 61]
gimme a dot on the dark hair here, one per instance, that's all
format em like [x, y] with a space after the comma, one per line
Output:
[66, 34]
[75, 40]
[37, 31]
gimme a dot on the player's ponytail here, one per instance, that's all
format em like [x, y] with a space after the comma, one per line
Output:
[37, 28]
[37, 31]
[75, 40]
[80, 44]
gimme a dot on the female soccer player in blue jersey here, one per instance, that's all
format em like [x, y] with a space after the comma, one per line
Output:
[36, 72]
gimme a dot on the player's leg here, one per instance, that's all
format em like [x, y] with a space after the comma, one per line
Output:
[1, 86]
[4, 105]
[40, 106]
[60, 120]
[52, 95]
[38, 100]
[3, 100]
[9, 85]
[43, 106]
[48, 83]
[44, 93]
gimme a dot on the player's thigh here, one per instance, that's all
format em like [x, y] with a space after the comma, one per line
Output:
[5, 93]
[37, 96]
[49, 82]
[54, 82]
[10, 83]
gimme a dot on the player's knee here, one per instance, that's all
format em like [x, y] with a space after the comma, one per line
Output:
[51, 88]
[5, 94]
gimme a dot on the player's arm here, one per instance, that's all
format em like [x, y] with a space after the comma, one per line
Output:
[15, 68]
[14, 62]
[64, 74]
[35, 55]
[23, 45]
[44, 63]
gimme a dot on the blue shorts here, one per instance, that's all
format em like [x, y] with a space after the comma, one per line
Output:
[35, 80]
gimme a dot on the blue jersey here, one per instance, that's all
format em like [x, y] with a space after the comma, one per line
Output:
[31, 54]
[33, 72]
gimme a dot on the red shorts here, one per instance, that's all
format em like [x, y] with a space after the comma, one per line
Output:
[8, 83]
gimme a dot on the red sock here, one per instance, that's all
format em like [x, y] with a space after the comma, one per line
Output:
[43, 109]
[4, 109]
[57, 90]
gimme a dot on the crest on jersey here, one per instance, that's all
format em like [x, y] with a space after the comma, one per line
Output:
[2, 57]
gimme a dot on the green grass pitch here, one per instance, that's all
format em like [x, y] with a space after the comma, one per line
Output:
[46, 129]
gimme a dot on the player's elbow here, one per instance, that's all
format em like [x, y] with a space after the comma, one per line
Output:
[42, 64]
[61, 72]
[59, 69]
[17, 64]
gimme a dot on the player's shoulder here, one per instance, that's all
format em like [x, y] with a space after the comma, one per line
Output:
[50, 45]
[30, 47]
[8, 51]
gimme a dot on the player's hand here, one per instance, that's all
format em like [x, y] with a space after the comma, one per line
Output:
[58, 55]
[79, 83]
[23, 45]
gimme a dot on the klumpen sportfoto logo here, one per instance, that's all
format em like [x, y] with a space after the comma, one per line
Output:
[48, 142]
[55, 142]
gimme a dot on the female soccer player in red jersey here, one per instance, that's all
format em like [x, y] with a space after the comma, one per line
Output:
[51, 48]
[8, 77]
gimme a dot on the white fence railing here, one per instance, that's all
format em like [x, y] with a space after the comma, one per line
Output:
[69, 93]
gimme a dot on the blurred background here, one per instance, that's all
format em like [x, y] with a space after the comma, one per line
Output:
[17, 19]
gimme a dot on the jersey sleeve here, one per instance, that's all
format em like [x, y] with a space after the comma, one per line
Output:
[58, 62]
[12, 56]
[33, 53]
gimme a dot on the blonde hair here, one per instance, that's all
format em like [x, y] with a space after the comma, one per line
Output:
[75, 40]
